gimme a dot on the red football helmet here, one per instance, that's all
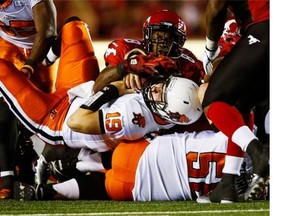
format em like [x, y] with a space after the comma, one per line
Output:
[166, 21]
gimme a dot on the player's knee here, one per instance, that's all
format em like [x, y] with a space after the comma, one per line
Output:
[72, 32]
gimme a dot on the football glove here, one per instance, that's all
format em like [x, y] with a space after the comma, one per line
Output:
[208, 58]
[147, 64]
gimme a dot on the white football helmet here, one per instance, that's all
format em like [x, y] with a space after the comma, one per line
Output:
[180, 103]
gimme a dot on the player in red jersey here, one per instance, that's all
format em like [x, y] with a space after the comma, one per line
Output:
[240, 81]
[73, 115]
[164, 33]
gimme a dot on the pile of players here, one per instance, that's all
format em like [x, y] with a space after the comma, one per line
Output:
[156, 123]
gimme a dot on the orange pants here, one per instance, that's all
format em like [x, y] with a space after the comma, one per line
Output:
[44, 113]
[120, 178]
[43, 77]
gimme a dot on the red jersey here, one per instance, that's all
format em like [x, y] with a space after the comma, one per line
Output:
[249, 12]
[188, 64]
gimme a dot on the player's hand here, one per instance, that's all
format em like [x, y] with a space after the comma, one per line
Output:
[208, 58]
[26, 71]
[122, 89]
[133, 81]
[147, 64]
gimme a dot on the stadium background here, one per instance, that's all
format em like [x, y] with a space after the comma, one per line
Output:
[112, 19]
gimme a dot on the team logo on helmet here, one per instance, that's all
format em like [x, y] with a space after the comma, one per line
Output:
[181, 118]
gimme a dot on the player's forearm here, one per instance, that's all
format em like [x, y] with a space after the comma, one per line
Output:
[107, 75]
[215, 19]
[45, 24]
[41, 47]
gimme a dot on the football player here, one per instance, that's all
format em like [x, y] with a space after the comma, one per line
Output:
[246, 69]
[99, 121]
[27, 30]
[168, 167]
[164, 33]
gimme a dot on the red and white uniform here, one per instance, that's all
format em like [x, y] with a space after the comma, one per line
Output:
[169, 167]
[188, 64]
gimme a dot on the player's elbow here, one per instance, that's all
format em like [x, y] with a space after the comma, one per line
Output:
[74, 123]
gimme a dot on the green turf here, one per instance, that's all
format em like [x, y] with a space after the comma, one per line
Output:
[12, 207]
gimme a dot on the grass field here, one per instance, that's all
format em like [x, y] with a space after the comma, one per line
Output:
[12, 207]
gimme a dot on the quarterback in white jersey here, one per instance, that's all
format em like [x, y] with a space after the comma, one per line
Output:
[128, 117]
[163, 103]
[100, 121]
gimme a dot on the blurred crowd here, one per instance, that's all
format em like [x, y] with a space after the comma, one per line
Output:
[111, 19]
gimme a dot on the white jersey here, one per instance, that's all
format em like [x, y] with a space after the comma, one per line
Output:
[180, 166]
[17, 22]
[128, 117]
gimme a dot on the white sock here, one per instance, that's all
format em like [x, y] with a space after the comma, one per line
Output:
[6, 173]
[89, 166]
[50, 58]
[243, 136]
[69, 189]
[232, 165]
[91, 162]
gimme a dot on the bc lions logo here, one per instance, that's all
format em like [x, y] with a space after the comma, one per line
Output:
[181, 118]
[139, 120]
